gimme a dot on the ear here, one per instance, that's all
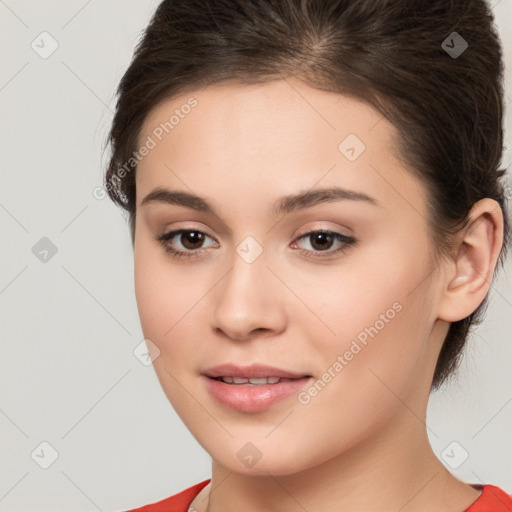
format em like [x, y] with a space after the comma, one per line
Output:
[469, 274]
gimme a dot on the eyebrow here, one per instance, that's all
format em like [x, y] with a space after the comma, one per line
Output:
[285, 204]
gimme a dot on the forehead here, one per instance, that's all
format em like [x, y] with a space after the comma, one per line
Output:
[264, 113]
[276, 134]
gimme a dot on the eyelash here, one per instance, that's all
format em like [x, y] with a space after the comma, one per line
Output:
[346, 241]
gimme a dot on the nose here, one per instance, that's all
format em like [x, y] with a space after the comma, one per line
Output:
[248, 302]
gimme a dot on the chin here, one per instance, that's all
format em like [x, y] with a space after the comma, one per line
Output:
[262, 458]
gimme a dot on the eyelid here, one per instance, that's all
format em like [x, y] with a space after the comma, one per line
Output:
[186, 226]
[321, 230]
[319, 226]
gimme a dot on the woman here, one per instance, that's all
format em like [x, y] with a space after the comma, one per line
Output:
[315, 205]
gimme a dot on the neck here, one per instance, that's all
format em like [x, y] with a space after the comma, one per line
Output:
[396, 470]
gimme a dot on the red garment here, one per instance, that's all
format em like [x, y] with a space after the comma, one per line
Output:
[492, 499]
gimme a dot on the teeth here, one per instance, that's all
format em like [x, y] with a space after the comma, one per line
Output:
[257, 382]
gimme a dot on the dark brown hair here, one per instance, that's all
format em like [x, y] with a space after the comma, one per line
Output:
[400, 56]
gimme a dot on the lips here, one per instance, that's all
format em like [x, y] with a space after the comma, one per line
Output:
[253, 388]
[254, 371]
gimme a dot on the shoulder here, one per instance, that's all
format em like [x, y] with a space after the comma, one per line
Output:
[492, 499]
[179, 502]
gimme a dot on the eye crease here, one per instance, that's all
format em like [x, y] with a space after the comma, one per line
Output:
[321, 241]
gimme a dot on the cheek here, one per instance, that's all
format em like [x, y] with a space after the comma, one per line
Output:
[376, 315]
[169, 305]
[364, 375]
[364, 291]
[165, 293]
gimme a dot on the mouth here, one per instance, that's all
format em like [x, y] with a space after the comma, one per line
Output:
[253, 374]
[237, 381]
[252, 388]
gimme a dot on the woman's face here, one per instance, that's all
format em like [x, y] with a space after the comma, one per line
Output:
[347, 317]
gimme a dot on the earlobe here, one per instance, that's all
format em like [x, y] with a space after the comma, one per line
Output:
[470, 273]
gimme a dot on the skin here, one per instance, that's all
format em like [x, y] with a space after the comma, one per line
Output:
[361, 443]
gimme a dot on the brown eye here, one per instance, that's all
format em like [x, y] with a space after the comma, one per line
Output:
[324, 243]
[321, 241]
[185, 242]
[192, 239]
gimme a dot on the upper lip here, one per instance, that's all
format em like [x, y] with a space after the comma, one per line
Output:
[253, 371]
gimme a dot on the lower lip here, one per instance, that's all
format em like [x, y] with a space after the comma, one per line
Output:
[253, 398]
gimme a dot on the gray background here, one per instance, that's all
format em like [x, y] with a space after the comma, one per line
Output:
[68, 373]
